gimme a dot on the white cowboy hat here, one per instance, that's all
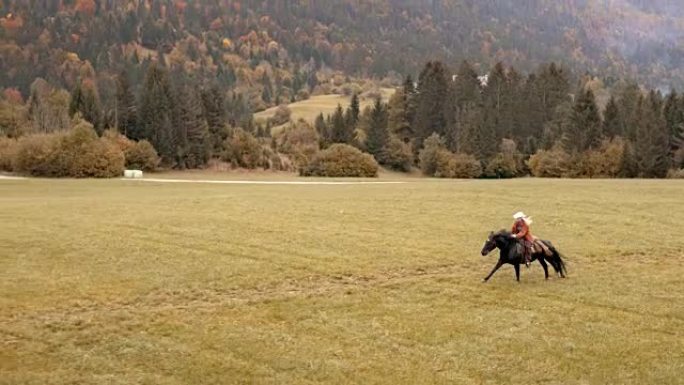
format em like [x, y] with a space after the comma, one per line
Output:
[522, 215]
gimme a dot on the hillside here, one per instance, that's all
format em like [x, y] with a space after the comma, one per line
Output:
[295, 46]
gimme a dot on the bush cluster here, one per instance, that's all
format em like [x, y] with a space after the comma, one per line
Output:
[77, 153]
[436, 160]
[341, 160]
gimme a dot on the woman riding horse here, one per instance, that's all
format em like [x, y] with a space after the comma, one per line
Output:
[521, 231]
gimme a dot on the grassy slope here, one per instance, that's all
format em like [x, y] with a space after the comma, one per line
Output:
[312, 107]
[119, 282]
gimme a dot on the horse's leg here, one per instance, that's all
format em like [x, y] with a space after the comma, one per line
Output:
[517, 271]
[546, 268]
[498, 265]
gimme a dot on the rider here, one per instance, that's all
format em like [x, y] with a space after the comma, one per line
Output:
[521, 230]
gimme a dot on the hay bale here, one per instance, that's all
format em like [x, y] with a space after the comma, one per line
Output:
[133, 174]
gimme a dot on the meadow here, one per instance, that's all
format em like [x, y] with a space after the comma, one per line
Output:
[310, 108]
[127, 282]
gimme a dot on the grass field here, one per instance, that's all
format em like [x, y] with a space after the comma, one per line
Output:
[309, 109]
[120, 282]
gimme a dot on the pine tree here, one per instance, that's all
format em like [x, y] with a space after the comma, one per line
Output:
[628, 99]
[323, 131]
[431, 97]
[585, 131]
[466, 86]
[553, 88]
[499, 99]
[377, 136]
[652, 144]
[353, 112]
[674, 118]
[398, 120]
[612, 125]
[214, 108]
[86, 101]
[192, 140]
[409, 100]
[126, 113]
[156, 112]
[267, 92]
[340, 130]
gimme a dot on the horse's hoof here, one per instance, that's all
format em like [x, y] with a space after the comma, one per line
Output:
[484, 281]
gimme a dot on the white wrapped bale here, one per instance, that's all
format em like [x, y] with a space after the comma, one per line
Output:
[133, 174]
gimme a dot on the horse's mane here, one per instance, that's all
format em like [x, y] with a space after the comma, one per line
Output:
[501, 232]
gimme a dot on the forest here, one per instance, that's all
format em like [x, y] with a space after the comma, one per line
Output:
[498, 99]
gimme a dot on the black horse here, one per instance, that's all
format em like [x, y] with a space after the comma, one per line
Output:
[511, 252]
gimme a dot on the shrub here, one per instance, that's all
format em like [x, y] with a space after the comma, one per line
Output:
[397, 156]
[606, 162]
[501, 166]
[341, 160]
[122, 142]
[142, 156]
[243, 150]
[676, 174]
[553, 163]
[457, 165]
[282, 115]
[98, 159]
[37, 154]
[299, 141]
[429, 155]
[679, 157]
[8, 151]
[303, 95]
[78, 153]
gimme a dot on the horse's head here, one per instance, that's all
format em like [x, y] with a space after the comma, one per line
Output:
[494, 240]
[489, 245]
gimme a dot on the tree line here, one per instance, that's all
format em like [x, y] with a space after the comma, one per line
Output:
[449, 123]
[506, 115]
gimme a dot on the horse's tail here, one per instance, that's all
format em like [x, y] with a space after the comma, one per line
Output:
[557, 260]
[562, 269]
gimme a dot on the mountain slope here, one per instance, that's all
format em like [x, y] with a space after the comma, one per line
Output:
[229, 40]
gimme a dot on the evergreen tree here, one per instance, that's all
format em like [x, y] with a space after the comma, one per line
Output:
[398, 119]
[409, 100]
[377, 136]
[192, 140]
[585, 131]
[628, 99]
[499, 98]
[612, 125]
[431, 98]
[353, 112]
[214, 109]
[674, 119]
[340, 130]
[156, 117]
[323, 131]
[652, 144]
[126, 113]
[267, 92]
[466, 86]
[85, 100]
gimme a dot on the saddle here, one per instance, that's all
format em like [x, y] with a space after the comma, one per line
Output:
[536, 247]
[539, 246]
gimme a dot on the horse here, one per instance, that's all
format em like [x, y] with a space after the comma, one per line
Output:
[510, 253]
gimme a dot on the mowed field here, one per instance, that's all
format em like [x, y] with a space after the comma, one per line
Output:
[127, 282]
[326, 104]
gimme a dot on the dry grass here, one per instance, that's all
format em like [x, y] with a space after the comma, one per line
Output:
[120, 282]
[309, 109]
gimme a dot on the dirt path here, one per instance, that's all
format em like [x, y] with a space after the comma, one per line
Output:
[265, 182]
[7, 177]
